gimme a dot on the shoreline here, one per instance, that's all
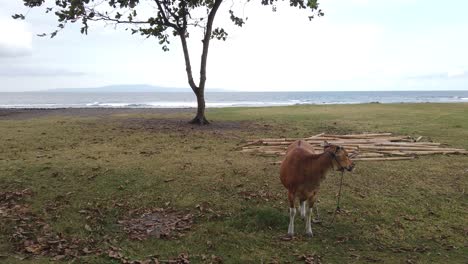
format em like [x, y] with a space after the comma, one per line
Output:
[222, 100]
[26, 113]
[218, 106]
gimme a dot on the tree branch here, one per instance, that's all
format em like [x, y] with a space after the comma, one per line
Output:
[117, 21]
[206, 43]
[188, 66]
[183, 39]
[167, 22]
[176, 17]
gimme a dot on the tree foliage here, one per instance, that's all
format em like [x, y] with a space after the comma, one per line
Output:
[171, 17]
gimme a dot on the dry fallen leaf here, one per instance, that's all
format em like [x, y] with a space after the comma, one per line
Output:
[157, 223]
[410, 218]
[33, 249]
[310, 258]
[286, 238]
[216, 259]
[59, 257]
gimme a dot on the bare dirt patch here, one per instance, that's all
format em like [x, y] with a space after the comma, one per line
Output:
[157, 223]
[178, 125]
[21, 114]
[216, 129]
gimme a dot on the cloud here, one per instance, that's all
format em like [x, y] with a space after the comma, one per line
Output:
[15, 38]
[452, 74]
[298, 54]
[37, 72]
[457, 73]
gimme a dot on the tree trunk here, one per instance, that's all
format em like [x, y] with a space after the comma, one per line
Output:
[199, 90]
[200, 118]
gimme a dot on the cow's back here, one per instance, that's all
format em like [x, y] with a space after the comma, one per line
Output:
[300, 144]
[292, 170]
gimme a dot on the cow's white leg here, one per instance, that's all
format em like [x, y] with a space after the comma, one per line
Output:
[303, 209]
[292, 214]
[316, 213]
[308, 224]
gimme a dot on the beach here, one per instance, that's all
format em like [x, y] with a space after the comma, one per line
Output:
[26, 113]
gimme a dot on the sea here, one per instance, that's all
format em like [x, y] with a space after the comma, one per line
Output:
[219, 99]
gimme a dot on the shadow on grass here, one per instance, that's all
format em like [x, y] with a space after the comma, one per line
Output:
[259, 219]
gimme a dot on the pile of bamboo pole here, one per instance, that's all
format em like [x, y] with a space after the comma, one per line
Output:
[363, 147]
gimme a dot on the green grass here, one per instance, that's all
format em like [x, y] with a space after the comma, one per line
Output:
[403, 211]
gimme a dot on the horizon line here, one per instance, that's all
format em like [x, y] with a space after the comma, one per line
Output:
[228, 91]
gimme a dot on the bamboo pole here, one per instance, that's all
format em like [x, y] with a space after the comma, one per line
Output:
[369, 155]
[265, 147]
[316, 136]
[334, 141]
[365, 154]
[349, 143]
[408, 144]
[366, 147]
[397, 153]
[365, 159]
[360, 135]
[434, 152]
[369, 146]
[278, 139]
[384, 158]
[251, 143]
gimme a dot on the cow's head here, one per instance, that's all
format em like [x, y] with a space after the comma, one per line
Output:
[341, 159]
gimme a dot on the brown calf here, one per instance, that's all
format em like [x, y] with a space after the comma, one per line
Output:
[302, 171]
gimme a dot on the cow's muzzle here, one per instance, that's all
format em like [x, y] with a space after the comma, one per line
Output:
[350, 167]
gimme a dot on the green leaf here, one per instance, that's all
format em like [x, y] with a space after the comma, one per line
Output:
[18, 16]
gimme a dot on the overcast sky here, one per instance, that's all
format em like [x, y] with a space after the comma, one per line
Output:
[357, 45]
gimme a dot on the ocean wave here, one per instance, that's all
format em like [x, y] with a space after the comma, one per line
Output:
[220, 100]
[341, 102]
[110, 105]
[188, 104]
[93, 104]
[171, 104]
[40, 106]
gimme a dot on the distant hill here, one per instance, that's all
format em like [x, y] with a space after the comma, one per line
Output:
[126, 88]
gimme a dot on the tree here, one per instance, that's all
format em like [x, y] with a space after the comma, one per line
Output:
[170, 17]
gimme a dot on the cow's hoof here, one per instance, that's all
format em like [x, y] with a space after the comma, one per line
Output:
[309, 234]
[291, 235]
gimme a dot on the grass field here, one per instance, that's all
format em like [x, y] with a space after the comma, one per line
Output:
[87, 172]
